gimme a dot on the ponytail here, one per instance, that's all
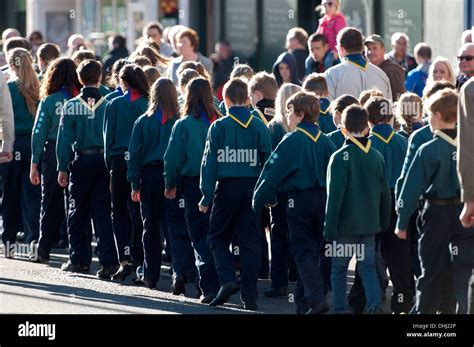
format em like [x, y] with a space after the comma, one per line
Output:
[21, 63]
[135, 78]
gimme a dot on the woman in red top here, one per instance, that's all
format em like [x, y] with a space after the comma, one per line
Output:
[331, 23]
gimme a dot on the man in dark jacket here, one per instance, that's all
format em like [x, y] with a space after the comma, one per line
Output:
[117, 51]
[375, 52]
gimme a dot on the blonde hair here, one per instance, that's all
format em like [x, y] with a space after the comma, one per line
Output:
[448, 65]
[21, 63]
[409, 109]
[286, 91]
[322, 11]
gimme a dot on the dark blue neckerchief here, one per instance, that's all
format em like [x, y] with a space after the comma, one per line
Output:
[358, 59]
[384, 130]
[119, 91]
[241, 112]
[324, 105]
[66, 93]
[159, 116]
[417, 125]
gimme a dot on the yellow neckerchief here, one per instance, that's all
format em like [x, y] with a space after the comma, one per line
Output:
[447, 138]
[262, 116]
[314, 138]
[387, 141]
[363, 148]
[93, 108]
[245, 125]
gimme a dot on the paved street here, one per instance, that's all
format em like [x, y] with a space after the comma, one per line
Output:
[28, 288]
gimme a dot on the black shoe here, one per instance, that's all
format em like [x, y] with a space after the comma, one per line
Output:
[106, 272]
[224, 294]
[123, 272]
[319, 309]
[61, 244]
[275, 292]
[72, 267]
[178, 285]
[207, 299]
[250, 306]
[39, 259]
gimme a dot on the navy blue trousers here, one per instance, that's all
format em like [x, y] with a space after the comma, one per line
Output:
[306, 212]
[89, 187]
[232, 212]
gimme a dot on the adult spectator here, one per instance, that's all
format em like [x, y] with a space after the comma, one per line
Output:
[224, 61]
[466, 64]
[416, 79]
[296, 41]
[188, 44]
[10, 32]
[154, 31]
[77, 42]
[466, 168]
[117, 50]
[441, 69]
[466, 37]
[375, 52]
[320, 57]
[46, 53]
[354, 74]
[6, 121]
[36, 40]
[399, 53]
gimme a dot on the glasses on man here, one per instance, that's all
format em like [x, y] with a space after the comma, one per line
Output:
[466, 57]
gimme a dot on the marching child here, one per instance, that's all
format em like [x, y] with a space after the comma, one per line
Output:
[298, 166]
[236, 148]
[337, 107]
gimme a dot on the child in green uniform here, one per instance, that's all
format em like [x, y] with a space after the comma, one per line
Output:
[281, 262]
[432, 174]
[148, 143]
[337, 107]
[242, 71]
[81, 129]
[21, 199]
[396, 253]
[83, 54]
[409, 113]
[60, 84]
[120, 115]
[183, 162]
[298, 166]
[236, 148]
[357, 209]
[114, 79]
[316, 83]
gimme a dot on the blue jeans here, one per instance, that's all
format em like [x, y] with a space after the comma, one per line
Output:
[340, 263]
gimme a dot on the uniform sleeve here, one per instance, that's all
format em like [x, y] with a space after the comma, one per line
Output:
[209, 166]
[280, 165]
[466, 142]
[175, 154]
[265, 146]
[6, 116]
[337, 179]
[135, 150]
[110, 123]
[417, 181]
[385, 198]
[40, 132]
[66, 137]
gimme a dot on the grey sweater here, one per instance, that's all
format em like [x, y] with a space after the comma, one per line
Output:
[6, 116]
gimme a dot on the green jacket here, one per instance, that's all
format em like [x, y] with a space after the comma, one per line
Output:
[150, 136]
[359, 199]
[432, 174]
[337, 138]
[46, 123]
[104, 91]
[236, 146]
[299, 162]
[325, 121]
[24, 120]
[120, 116]
[80, 127]
[277, 132]
[112, 95]
[185, 148]
[393, 147]
[417, 139]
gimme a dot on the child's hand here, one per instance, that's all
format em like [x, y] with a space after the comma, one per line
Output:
[401, 234]
[467, 215]
[203, 209]
[170, 193]
[63, 179]
[34, 175]
[136, 196]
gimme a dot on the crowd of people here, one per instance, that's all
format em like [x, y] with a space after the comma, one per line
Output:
[163, 154]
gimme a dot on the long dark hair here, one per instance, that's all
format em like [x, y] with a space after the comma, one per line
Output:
[60, 73]
[164, 96]
[135, 78]
[199, 98]
[114, 79]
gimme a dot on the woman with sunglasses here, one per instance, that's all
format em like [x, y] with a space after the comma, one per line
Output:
[331, 23]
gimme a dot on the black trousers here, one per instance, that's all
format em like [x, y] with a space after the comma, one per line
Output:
[89, 186]
[53, 206]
